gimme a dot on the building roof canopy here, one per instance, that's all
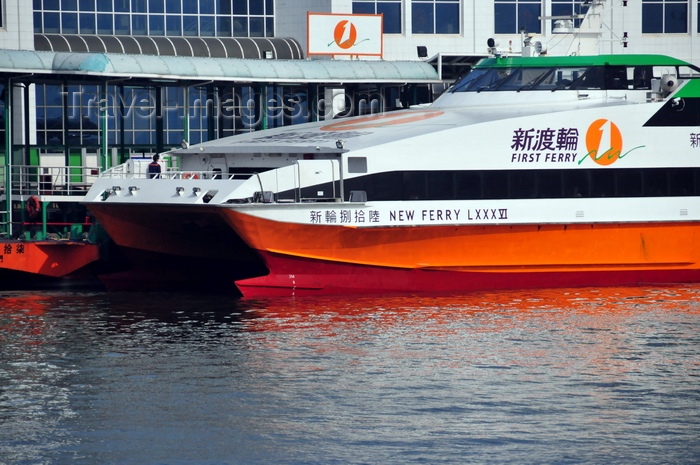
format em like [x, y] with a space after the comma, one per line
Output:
[218, 69]
[212, 47]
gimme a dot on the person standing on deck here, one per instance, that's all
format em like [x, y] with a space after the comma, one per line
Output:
[154, 167]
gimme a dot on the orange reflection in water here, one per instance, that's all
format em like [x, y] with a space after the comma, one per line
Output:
[22, 314]
[605, 303]
[604, 337]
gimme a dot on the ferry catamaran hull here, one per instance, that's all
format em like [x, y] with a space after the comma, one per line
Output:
[530, 172]
[171, 247]
[337, 259]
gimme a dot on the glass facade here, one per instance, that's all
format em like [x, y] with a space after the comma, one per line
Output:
[390, 9]
[2, 120]
[513, 16]
[568, 8]
[427, 16]
[208, 18]
[72, 115]
[664, 16]
[435, 16]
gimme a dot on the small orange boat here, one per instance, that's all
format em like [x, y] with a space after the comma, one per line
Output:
[53, 259]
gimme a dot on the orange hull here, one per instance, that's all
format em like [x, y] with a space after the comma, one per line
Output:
[46, 258]
[325, 259]
[486, 248]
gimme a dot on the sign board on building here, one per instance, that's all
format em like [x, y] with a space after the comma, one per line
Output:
[335, 34]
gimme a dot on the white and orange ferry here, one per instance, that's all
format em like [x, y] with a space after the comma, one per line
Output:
[528, 172]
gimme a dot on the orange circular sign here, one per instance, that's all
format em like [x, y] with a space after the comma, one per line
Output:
[604, 150]
[345, 34]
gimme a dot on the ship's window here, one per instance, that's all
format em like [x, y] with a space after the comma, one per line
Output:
[383, 186]
[576, 183]
[467, 81]
[629, 183]
[357, 164]
[523, 184]
[441, 185]
[515, 184]
[518, 79]
[655, 182]
[682, 182]
[468, 185]
[521, 79]
[642, 77]
[616, 77]
[603, 183]
[479, 80]
[415, 185]
[492, 80]
[552, 80]
[495, 185]
[549, 184]
[594, 78]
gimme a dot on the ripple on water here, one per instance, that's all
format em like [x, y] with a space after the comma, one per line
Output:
[560, 376]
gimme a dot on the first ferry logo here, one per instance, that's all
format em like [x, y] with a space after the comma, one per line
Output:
[345, 35]
[604, 143]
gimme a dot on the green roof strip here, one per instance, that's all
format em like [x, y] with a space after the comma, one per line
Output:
[579, 60]
[223, 69]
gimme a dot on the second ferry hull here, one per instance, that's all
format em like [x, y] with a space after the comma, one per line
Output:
[165, 248]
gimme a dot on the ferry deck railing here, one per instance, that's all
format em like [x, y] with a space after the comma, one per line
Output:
[122, 172]
[298, 174]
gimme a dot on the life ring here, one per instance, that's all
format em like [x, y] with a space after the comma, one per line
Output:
[33, 206]
[190, 176]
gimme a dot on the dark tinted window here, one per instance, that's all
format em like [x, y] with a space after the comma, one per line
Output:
[527, 184]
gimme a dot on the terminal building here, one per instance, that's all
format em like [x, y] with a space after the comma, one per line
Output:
[88, 84]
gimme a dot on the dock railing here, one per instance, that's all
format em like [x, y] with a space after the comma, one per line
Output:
[28, 180]
[33, 192]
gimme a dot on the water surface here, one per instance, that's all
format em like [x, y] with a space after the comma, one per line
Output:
[555, 376]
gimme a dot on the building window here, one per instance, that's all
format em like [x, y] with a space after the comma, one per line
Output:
[2, 111]
[435, 16]
[390, 9]
[569, 8]
[69, 23]
[513, 16]
[49, 115]
[224, 18]
[664, 16]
